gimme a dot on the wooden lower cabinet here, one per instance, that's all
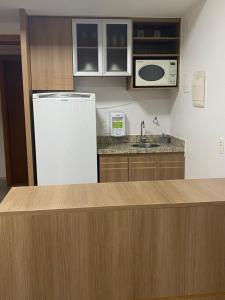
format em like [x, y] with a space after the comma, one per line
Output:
[141, 167]
[113, 168]
[179, 252]
[138, 253]
[170, 166]
[67, 256]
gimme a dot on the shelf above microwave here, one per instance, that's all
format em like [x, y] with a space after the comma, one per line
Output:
[155, 38]
[168, 55]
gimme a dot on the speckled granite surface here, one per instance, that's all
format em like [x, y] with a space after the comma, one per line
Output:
[110, 145]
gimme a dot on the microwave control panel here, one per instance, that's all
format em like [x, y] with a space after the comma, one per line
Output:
[172, 74]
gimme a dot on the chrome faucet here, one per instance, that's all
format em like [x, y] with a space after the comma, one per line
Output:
[142, 139]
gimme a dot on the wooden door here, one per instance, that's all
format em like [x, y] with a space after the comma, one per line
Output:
[14, 122]
[67, 256]
[142, 168]
[117, 49]
[179, 252]
[170, 166]
[87, 40]
[113, 168]
[51, 51]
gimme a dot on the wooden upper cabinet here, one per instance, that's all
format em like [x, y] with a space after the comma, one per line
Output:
[51, 53]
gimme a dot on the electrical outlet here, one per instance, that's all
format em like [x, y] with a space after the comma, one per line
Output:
[221, 145]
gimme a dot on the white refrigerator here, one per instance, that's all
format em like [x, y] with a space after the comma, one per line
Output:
[65, 138]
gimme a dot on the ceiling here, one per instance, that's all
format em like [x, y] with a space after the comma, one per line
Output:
[116, 8]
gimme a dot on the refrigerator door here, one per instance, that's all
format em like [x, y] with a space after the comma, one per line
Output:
[65, 140]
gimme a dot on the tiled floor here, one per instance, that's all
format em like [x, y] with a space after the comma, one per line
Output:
[3, 192]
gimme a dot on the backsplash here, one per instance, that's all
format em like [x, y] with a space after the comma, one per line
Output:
[111, 95]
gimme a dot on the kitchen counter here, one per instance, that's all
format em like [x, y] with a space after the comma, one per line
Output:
[114, 195]
[115, 241]
[108, 145]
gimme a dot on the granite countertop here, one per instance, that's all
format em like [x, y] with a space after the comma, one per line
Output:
[109, 145]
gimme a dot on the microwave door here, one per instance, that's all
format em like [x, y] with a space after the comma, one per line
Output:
[150, 75]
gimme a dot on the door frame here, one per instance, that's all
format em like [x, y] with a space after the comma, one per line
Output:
[6, 39]
[5, 123]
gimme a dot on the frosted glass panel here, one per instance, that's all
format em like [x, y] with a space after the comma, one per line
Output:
[116, 47]
[116, 60]
[87, 47]
[87, 35]
[87, 60]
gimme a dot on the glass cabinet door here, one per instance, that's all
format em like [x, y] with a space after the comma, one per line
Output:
[116, 47]
[87, 40]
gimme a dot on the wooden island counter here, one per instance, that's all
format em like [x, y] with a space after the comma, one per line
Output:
[117, 241]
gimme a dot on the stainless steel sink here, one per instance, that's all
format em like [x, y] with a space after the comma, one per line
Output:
[146, 145]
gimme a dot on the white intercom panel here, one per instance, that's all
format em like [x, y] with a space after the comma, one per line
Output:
[117, 124]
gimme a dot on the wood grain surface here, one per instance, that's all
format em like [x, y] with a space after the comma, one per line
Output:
[27, 92]
[161, 240]
[85, 256]
[175, 193]
[51, 53]
[179, 251]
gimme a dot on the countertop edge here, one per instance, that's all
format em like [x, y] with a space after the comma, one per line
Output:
[109, 208]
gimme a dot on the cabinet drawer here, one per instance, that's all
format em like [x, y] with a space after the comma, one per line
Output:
[113, 168]
[114, 175]
[142, 168]
[170, 166]
[113, 161]
[162, 157]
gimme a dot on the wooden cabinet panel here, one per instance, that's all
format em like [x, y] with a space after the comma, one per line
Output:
[51, 53]
[84, 255]
[170, 166]
[27, 90]
[113, 168]
[159, 248]
[205, 250]
[179, 252]
[142, 168]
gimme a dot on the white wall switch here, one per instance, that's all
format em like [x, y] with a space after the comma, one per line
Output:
[221, 145]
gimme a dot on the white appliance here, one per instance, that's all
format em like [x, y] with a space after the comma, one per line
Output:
[117, 124]
[152, 72]
[65, 138]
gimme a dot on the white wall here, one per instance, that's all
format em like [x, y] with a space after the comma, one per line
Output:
[112, 95]
[203, 48]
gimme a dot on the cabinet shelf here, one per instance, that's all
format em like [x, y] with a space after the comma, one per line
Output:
[117, 48]
[156, 55]
[163, 39]
[86, 47]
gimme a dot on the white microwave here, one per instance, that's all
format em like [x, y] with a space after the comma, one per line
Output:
[152, 72]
